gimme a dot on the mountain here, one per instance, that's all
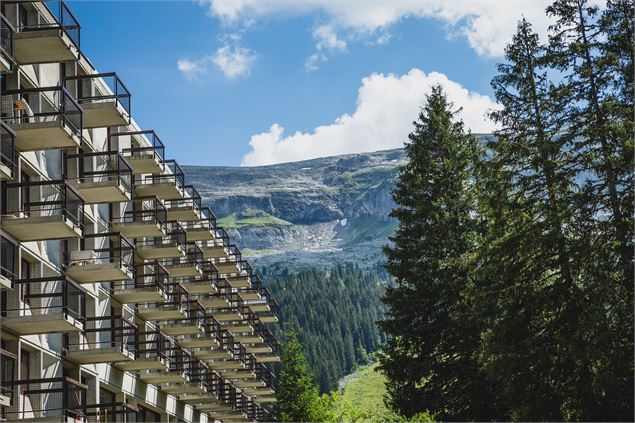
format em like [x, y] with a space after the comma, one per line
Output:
[316, 212]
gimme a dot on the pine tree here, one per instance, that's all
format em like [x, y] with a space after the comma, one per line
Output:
[430, 359]
[296, 393]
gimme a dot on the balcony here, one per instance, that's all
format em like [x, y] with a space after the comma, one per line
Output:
[221, 349]
[44, 305]
[209, 337]
[103, 176]
[175, 307]
[42, 118]
[112, 412]
[166, 186]
[148, 218]
[103, 257]
[8, 157]
[8, 362]
[192, 324]
[56, 399]
[197, 383]
[44, 210]
[203, 229]
[170, 245]
[103, 97]
[106, 339]
[7, 62]
[151, 352]
[145, 153]
[47, 32]
[179, 370]
[190, 265]
[203, 284]
[8, 263]
[186, 209]
[150, 284]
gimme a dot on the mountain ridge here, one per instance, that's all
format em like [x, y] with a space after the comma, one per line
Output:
[315, 211]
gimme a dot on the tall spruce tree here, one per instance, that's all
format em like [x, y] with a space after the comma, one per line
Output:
[547, 290]
[430, 357]
[526, 290]
[296, 394]
[594, 55]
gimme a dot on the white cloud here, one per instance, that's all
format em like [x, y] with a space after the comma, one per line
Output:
[190, 69]
[487, 25]
[231, 59]
[386, 107]
[327, 41]
[234, 60]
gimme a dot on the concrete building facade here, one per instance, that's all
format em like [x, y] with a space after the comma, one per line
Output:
[121, 300]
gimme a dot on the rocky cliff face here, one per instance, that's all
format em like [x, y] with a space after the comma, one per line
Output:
[315, 211]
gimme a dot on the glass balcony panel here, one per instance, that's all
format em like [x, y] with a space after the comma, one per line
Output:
[46, 32]
[8, 157]
[103, 97]
[44, 305]
[103, 257]
[46, 118]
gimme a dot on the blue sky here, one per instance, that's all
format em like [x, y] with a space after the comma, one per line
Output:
[225, 82]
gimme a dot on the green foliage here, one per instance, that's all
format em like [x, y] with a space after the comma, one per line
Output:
[297, 395]
[335, 314]
[514, 265]
[430, 358]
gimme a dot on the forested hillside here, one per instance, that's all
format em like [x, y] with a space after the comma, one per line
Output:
[334, 312]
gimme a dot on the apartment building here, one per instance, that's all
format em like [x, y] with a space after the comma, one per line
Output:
[121, 300]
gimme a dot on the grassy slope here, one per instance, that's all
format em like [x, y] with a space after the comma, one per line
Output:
[367, 389]
[233, 221]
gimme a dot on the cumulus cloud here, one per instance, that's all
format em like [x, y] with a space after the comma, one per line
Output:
[234, 61]
[486, 25]
[386, 107]
[231, 59]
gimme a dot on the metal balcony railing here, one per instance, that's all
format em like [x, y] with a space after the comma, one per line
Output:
[8, 260]
[7, 147]
[44, 199]
[174, 176]
[153, 344]
[181, 361]
[6, 38]
[58, 397]
[104, 248]
[177, 298]
[41, 105]
[221, 235]
[154, 149]
[56, 16]
[207, 221]
[149, 275]
[112, 412]
[193, 257]
[174, 235]
[45, 297]
[99, 88]
[8, 362]
[106, 333]
[192, 199]
[100, 166]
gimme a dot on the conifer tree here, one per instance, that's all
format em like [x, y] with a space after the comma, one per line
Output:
[296, 393]
[594, 55]
[430, 356]
[526, 288]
